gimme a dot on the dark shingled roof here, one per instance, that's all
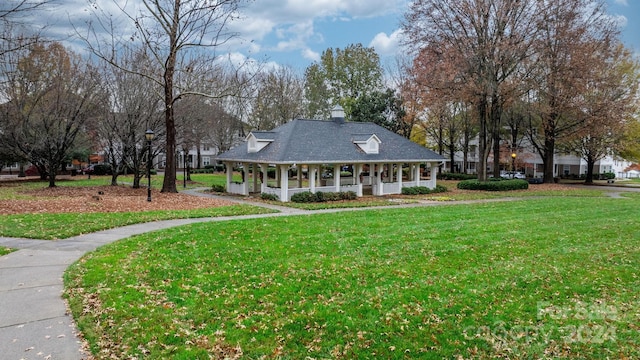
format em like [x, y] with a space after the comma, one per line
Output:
[328, 142]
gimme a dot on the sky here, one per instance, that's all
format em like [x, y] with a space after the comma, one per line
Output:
[296, 32]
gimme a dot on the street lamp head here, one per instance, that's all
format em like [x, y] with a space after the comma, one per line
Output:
[513, 155]
[149, 134]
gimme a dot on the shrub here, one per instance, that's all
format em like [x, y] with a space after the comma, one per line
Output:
[215, 167]
[201, 171]
[102, 169]
[270, 197]
[410, 191]
[309, 197]
[218, 188]
[348, 195]
[304, 197]
[455, 176]
[331, 196]
[494, 185]
[608, 176]
[422, 190]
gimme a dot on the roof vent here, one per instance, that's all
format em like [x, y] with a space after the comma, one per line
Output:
[337, 114]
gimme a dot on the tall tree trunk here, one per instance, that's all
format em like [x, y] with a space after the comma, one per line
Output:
[483, 145]
[452, 157]
[465, 160]
[496, 154]
[198, 155]
[496, 122]
[52, 173]
[169, 183]
[547, 159]
[590, 165]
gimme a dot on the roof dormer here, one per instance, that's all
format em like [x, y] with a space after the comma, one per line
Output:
[369, 143]
[257, 140]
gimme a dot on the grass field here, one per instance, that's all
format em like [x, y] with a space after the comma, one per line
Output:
[539, 278]
[64, 225]
[50, 226]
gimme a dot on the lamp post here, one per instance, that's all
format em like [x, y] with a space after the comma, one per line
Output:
[184, 170]
[513, 165]
[149, 136]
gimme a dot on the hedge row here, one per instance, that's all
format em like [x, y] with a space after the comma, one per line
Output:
[500, 185]
[309, 197]
[420, 190]
[456, 176]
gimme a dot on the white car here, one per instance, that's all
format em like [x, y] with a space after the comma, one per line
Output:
[512, 175]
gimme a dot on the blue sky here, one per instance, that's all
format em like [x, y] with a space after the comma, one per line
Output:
[296, 32]
[301, 31]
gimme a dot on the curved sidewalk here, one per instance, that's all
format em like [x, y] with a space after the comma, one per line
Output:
[34, 323]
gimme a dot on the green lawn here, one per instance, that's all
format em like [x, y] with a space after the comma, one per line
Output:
[64, 225]
[4, 250]
[59, 226]
[540, 278]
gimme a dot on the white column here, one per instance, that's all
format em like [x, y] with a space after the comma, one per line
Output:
[434, 175]
[356, 173]
[336, 177]
[284, 183]
[263, 176]
[254, 175]
[312, 178]
[379, 180]
[245, 181]
[229, 175]
[399, 174]
[416, 174]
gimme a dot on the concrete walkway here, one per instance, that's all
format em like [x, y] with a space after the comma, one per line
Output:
[34, 323]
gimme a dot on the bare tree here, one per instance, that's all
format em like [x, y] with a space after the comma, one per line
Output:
[488, 40]
[15, 34]
[278, 98]
[120, 131]
[570, 33]
[180, 36]
[52, 94]
[608, 105]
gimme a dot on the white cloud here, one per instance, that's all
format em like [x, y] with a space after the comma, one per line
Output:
[387, 44]
[292, 23]
[622, 2]
[310, 55]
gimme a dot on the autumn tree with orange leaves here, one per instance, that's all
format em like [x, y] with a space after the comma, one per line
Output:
[52, 93]
[486, 42]
[607, 106]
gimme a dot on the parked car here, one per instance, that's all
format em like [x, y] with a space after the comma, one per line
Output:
[97, 169]
[512, 175]
[88, 169]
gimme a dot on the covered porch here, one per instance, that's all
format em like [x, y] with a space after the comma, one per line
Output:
[380, 178]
